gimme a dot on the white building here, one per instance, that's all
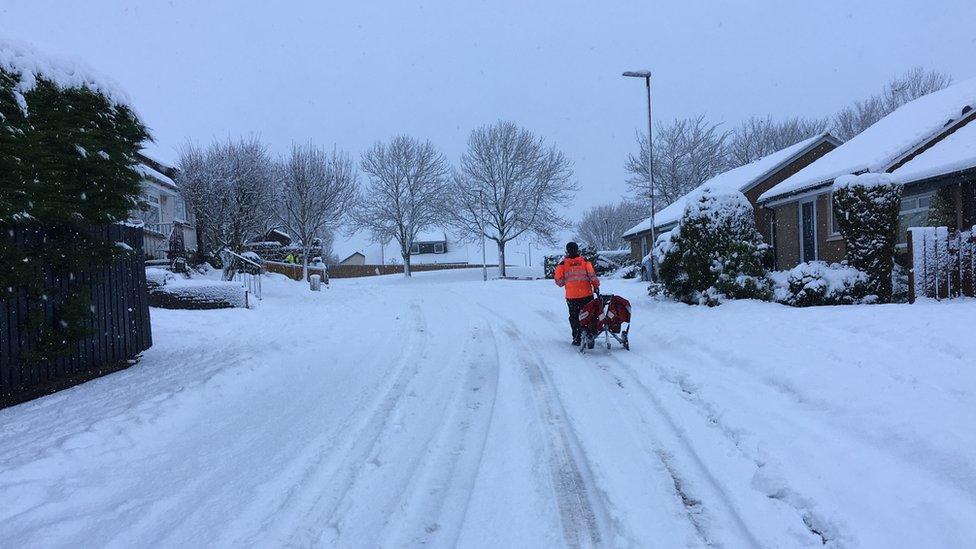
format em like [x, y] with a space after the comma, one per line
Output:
[167, 211]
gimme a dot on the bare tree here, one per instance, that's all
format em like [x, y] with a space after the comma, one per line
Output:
[603, 226]
[758, 137]
[317, 192]
[687, 153]
[229, 187]
[405, 194]
[901, 89]
[510, 183]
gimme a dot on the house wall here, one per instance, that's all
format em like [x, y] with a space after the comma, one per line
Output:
[635, 246]
[355, 259]
[830, 248]
[787, 239]
[764, 216]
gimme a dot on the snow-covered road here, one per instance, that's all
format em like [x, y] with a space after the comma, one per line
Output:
[446, 411]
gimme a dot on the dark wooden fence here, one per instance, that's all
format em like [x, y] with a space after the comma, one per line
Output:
[118, 328]
[941, 263]
[355, 271]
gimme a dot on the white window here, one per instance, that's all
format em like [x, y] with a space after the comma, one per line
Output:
[914, 213]
[414, 249]
[180, 210]
[438, 247]
[834, 227]
[153, 214]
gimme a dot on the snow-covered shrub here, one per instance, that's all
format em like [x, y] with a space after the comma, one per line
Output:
[68, 144]
[867, 207]
[198, 294]
[817, 283]
[158, 277]
[715, 252]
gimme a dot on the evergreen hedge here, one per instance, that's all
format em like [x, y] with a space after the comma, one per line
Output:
[866, 207]
[67, 159]
[715, 252]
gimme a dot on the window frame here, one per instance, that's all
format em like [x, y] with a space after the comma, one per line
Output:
[834, 231]
[439, 248]
[415, 248]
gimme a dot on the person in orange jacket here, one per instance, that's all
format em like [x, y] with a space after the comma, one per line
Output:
[577, 276]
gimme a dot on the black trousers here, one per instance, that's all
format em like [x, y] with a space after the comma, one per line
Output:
[574, 310]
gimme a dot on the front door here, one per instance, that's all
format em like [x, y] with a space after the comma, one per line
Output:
[808, 231]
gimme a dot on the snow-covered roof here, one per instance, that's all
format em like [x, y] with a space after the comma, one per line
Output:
[954, 153]
[150, 173]
[886, 141]
[433, 235]
[29, 65]
[737, 179]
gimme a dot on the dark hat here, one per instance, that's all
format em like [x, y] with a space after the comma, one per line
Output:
[572, 249]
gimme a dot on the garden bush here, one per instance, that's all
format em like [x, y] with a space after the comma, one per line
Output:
[715, 253]
[866, 208]
[817, 283]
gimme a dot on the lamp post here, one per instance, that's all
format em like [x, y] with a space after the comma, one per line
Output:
[646, 75]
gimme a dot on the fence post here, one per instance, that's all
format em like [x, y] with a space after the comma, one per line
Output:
[911, 268]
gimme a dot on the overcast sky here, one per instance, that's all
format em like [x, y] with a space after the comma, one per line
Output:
[355, 72]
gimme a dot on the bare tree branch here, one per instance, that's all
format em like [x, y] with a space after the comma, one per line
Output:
[603, 226]
[317, 192]
[508, 184]
[405, 194]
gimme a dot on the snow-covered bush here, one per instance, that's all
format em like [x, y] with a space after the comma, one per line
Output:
[198, 294]
[157, 277]
[68, 144]
[817, 283]
[866, 208]
[715, 252]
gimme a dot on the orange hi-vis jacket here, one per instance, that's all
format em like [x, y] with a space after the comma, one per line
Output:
[577, 276]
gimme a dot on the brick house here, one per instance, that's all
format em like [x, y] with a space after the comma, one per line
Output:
[927, 144]
[751, 179]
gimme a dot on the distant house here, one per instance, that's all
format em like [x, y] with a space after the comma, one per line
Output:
[751, 179]
[355, 258]
[279, 236]
[435, 246]
[927, 144]
[166, 213]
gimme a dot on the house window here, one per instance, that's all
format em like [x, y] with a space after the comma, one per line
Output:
[914, 213]
[834, 226]
[414, 249]
[153, 214]
[180, 210]
[438, 247]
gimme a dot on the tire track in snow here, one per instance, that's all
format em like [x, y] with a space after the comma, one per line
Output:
[583, 514]
[435, 505]
[692, 504]
[777, 488]
[320, 483]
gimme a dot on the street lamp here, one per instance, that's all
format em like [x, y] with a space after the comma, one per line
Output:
[646, 75]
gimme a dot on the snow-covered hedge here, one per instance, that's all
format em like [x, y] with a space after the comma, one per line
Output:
[715, 252]
[158, 277]
[817, 283]
[181, 293]
[866, 208]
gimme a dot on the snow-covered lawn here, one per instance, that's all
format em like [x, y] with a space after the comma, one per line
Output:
[446, 411]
